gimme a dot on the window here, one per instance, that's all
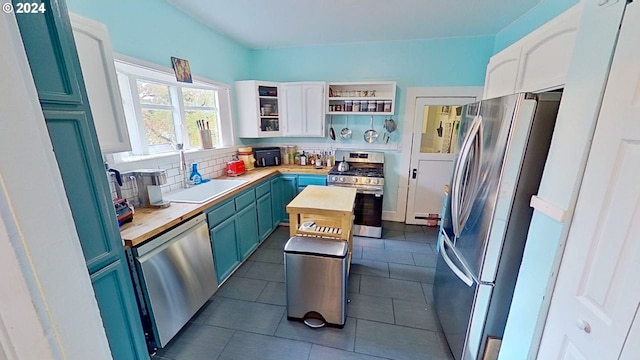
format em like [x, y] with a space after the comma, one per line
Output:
[162, 112]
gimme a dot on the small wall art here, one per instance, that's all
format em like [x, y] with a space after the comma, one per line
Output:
[182, 69]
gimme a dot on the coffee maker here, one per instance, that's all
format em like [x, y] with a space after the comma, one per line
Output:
[148, 185]
[152, 180]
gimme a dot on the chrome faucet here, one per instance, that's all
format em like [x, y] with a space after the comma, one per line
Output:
[183, 166]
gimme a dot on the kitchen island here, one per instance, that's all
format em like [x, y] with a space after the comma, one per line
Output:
[323, 212]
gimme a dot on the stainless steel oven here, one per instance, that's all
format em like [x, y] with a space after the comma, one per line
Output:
[366, 174]
[368, 214]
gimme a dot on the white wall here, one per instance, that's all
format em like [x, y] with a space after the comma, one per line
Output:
[47, 305]
[562, 176]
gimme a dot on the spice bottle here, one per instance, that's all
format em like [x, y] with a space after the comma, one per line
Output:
[303, 159]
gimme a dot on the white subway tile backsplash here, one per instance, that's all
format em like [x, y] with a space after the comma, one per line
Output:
[172, 171]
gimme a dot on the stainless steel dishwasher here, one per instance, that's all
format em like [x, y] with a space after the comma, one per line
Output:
[176, 273]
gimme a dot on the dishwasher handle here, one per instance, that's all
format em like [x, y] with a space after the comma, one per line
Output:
[165, 240]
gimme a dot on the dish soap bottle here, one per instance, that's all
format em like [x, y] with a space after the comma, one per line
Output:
[195, 178]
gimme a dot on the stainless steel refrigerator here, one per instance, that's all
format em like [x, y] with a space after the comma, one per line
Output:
[500, 154]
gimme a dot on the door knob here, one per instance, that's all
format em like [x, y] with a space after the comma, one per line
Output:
[584, 326]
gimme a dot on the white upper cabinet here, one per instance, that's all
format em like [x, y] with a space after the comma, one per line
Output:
[258, 109]
[546, 55]
[539, 61]
[502, 73]
[303, 109]
[99, 73]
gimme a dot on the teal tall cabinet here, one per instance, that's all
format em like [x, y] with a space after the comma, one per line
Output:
[55, 67]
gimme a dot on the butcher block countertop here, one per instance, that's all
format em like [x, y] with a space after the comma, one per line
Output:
[339, 200]
[149, 222]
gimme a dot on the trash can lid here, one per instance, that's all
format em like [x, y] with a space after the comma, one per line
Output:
[316, 246]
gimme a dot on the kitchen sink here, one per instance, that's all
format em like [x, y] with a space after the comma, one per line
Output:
[204, 192]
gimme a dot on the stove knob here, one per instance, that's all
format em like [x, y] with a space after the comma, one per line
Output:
[341, 179]
[355, 180]
[375, 181]
[368, 181]
[335, 178]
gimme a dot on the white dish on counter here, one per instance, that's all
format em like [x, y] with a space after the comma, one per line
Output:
[202, 193]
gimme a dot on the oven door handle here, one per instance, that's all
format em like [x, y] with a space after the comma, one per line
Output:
[377, 193]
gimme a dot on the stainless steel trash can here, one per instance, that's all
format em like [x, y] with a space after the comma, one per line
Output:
[316, 280]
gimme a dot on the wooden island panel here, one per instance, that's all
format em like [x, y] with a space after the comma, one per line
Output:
[328, 207]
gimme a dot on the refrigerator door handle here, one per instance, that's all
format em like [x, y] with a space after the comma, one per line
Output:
[455, 183]
[474, 176]
[461, 274]
[459, 207]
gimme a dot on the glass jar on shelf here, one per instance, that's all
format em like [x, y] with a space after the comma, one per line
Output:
[348, 105]
[387, 106]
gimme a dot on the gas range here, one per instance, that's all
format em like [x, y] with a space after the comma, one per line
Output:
[366, 170]
[365, 178]
[366, 174]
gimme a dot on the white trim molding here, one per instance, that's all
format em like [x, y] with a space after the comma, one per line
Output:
[389, 215]
[555, 212]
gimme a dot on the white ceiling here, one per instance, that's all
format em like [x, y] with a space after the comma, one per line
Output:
[260, 24]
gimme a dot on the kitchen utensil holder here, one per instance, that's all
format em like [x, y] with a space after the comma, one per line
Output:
[205, 137]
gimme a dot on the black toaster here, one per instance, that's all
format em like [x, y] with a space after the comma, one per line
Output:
[267, 156]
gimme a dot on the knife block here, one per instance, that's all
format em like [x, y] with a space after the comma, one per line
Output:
[205, 137]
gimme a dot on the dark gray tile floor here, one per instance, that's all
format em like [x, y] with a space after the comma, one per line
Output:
[390, 314]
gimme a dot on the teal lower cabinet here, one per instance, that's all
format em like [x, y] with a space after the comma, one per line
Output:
[119, 315]
[225, 249]
[247, 224]
[265, 216]
[264, 209]
[276, 200]
[237, 226]
[304, 180]
[289, 191]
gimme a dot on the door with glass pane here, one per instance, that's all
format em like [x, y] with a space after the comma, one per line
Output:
[436, 128]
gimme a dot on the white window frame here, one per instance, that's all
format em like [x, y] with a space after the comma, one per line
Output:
[131, 70]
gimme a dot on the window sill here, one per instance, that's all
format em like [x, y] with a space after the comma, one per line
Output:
[162, 159]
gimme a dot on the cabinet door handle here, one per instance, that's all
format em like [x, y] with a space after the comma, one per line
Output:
[414, 173]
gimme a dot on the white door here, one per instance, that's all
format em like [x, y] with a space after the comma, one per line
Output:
[597, 292]
[435, 132]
